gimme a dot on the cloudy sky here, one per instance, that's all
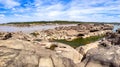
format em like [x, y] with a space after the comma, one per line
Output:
[48, 10]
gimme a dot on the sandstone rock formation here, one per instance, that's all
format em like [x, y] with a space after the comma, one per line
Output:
[112, 38]
[84, 49]
[63, 50]
[71, 32]
[102, 57]
[68, 32]
[19, 53]
[28, 50]
[107, 54]
[16, 35]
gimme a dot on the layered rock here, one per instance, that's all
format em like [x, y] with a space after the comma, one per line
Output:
[84, 49]
[27, 50]
[16, 35]
[71, 32]
[63, 50]
[19, 53]
[112, 38]
[68, 32]
[102, 57]
[106, 54]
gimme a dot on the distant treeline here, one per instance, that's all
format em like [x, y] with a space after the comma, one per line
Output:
[41, 22]
[59, 22]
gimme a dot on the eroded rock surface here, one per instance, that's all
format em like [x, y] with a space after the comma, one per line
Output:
[72, 32]
[63, 50]
[107, 54]
[28, 50]
[67, 32]
[102, 57]
[84, 49]
[18, 53]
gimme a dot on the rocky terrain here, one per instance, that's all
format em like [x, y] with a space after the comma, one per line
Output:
[72, 32]
[67, 32]
[106, 54]
[18, 53]
[30, 50]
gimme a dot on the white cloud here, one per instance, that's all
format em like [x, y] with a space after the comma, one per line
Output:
[9, 3]
[2, 18]
[80, 10]
[2, 15]
[119, 16]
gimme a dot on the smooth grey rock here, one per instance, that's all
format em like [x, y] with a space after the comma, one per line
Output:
[102, 57]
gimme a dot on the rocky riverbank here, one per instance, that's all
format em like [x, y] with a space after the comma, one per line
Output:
[19, 53]
[72, 32]
[30, 50]
[106, 54]
[64, 32]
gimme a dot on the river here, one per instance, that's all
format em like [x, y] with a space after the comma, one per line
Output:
[116, 27]
[37, 28]
[74, 43]
[31, 28]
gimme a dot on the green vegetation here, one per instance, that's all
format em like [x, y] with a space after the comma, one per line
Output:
[50, 22]
[34, 34]
[59, 22]
[80, 41]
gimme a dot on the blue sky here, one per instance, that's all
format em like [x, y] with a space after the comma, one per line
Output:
[49, 10]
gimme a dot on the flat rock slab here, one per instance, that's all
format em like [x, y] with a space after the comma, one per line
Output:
[18, 53]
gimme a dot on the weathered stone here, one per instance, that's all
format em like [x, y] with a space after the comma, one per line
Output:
[7, 36]
[102, 57]
[63, 50]
[19, 53]
[83, 49]
[69, 32]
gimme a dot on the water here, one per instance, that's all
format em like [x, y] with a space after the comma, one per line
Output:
[116, 27]
[37, 28]
[74, 43]
[30, 29]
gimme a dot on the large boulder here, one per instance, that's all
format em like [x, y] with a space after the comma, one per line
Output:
[83, 49]
[63, 50]
[5, 35]
[118, 30]
[113, 38]
[19, 53]
[102, 57]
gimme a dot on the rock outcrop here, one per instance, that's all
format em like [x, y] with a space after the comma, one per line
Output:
[67, 32]
[19, 53]
[84, 49]
[72, 32]
[102, 57]
[107, 54]
[63, 50]
[28, 50]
